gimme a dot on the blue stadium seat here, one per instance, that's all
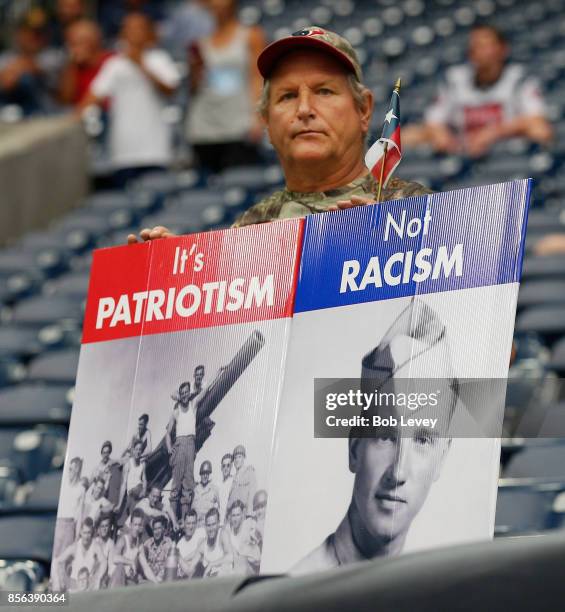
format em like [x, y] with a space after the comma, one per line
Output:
[55, 367]
[548, 321]
[43, 310]
[558, 357]
[24, 575]
[40, 264]
[26, 535]
[28, 404]
[19, 342]
[33, 450]
[521, 510]
[45, 492]
[10, 480]
[548, 266]
[539, 461]
[537, 292]
[73, 284]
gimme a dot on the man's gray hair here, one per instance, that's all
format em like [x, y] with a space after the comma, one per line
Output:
[358, 91]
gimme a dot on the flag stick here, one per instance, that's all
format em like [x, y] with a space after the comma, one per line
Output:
[385, 149]
[379, 191]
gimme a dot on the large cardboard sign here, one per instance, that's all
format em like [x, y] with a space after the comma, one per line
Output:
[202, 441]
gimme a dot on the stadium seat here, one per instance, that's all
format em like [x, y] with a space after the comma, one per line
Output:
[549, 321]
[23, 575]
[521, 510]
[26, 535]
[543, 462]
[43, 310]
[538, 292]
[9, 482]
[28, 404]
[558, 358]
[45, 492]
[73, 285]
[549, 266]
[33, 450]
[20, 342]
[55, 367]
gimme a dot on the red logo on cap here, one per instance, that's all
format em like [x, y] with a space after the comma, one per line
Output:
[311, 32]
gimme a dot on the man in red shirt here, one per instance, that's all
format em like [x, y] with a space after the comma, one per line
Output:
[86, 57]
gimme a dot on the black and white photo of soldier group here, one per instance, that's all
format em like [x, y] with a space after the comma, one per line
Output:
[155, 513]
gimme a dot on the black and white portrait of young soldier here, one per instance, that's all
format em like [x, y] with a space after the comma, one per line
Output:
[394, 466]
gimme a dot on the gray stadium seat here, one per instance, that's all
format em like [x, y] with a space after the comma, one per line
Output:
[43, 310]
[33, 450]
[540, 461]
[521, 510]
[19, 342]
[73, 285]
[548, 321]
[27, 535]
[55, 367]
[548, 266]
[29, 404]
[558, 357]
[538, 292]
[45, 491]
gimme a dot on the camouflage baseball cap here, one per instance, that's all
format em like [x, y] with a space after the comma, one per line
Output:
[313, 37]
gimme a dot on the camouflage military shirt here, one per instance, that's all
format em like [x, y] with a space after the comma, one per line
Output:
[289, 204]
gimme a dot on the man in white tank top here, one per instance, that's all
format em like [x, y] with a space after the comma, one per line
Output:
[85, 552]
[128, 562]
[215, 551]
[133, 480]
[244, 540]
[183, 451]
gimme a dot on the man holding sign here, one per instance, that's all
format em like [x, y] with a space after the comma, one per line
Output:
[317, 113]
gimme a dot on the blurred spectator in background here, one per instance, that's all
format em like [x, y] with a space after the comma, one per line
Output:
[111, 14]
[482, 102]
[552, 244]
[185, 25]
[27, 71]
[86, 57]
[223, 126]
[67, 12]
[136, 82]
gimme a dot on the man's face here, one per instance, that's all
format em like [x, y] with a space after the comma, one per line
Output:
[98, 489]
[189, 525]
[236, 518]
[154, 497]
[312, 116]
[205, 477]
[69, 10]
[83, 42]
[239, 460]
[105, 454]
[137, 451]
[184, 394]
[141, 426]
[136, 526]
[74, 470]
[260, 511]
[226, 468]
[486, 49]
[198, 376]
[393, 475]
[104, 528]
[137, 31]
[212, 526]
[83, 581]
[158, 531]
[86, 535]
